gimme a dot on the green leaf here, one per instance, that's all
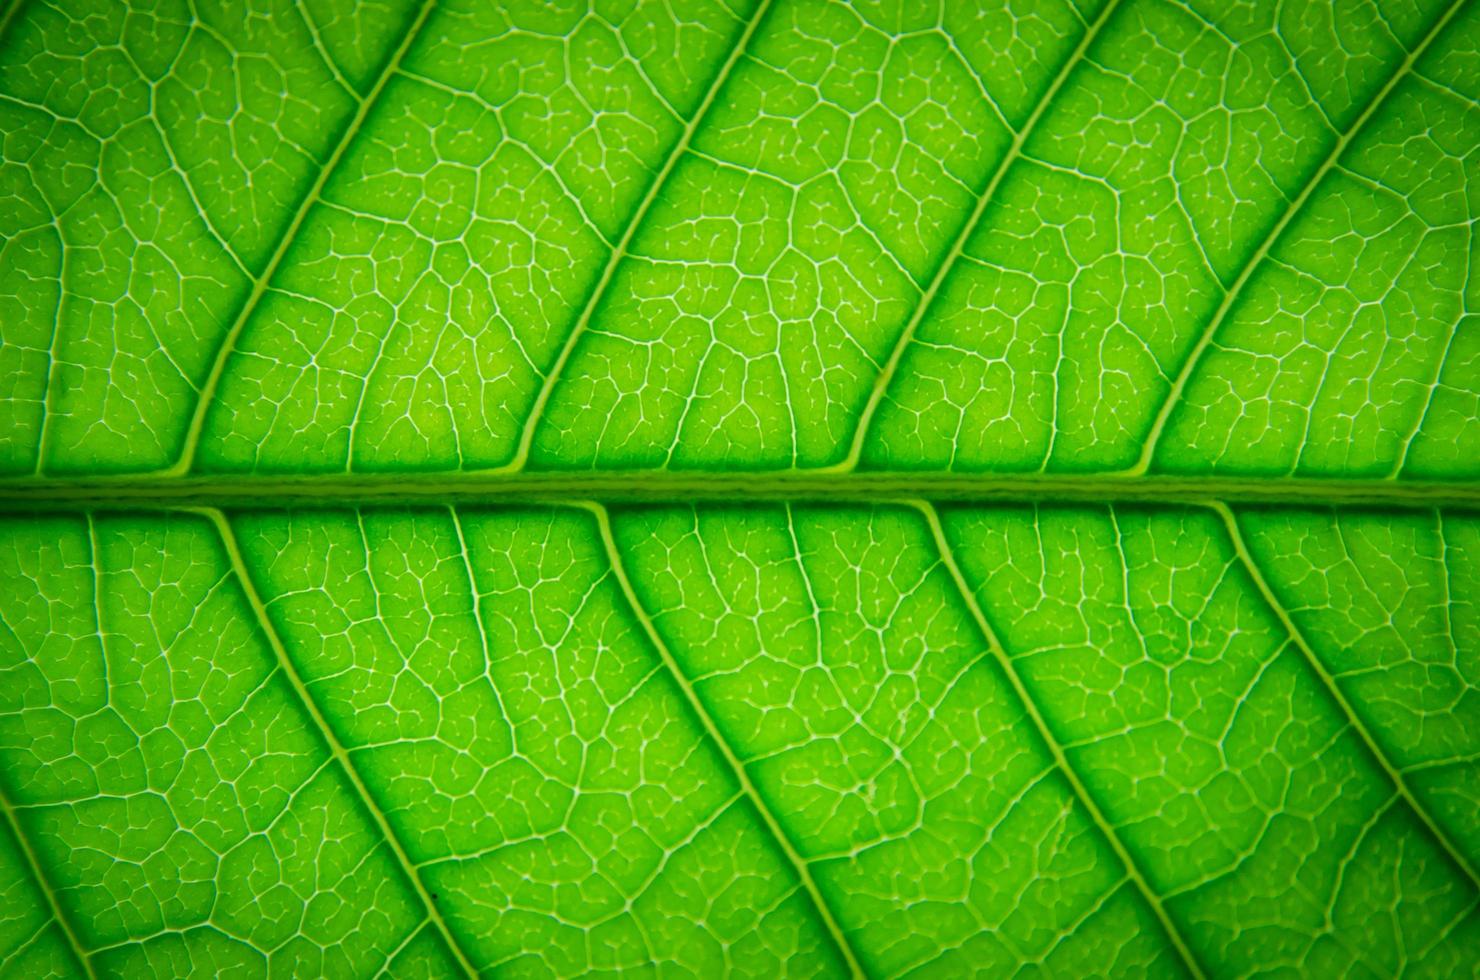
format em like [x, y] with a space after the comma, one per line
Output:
[760, 487]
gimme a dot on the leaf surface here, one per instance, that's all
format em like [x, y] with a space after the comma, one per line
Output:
[760, 487]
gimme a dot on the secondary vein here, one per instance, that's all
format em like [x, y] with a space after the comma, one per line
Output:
[958, 247]
[44, 884]
[10, 15]
[336, 747]
[1256, 259]
[1051, 742]
[1333, 690]
[262, 282]
[711, 728]
[598, 292]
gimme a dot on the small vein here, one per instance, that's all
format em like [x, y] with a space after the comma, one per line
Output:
[316, 36]
[737, 767]
[393, 955]
[1051, 742]
[18, 953]
[1437, 378]
[95, 566]
[624, 244]
[336, 747]
[33, 862]
[1333, 689]
[475, 599]
[1272, 237]
[260, 285]
[958, 247]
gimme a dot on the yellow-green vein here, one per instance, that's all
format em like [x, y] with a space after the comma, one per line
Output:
[588, 309]
[968, 228]
[33, 864]
[711, 728]
[1256, 259]
[1051, 742]
[260, 285]
[1333, 689]
[336, 747]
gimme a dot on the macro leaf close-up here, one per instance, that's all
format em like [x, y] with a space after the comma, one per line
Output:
[766, 488]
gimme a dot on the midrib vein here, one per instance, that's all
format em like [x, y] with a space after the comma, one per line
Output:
[154, 492]
[1256, 260]
[968, 228]
[620, 252]
[262, 282]
[336, 747]
[1338, 696]
[737, 767]
[1051, 742]
[43, 884]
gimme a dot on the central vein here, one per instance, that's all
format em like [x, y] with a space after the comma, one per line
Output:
[670, 486]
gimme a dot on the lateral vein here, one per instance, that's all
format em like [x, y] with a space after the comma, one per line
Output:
[619, 253]
[263, 281]
[336, 747]
[1051, 742]
[1256, 259]
[711, 728]
[958, 246]
[44, 884]
[1334, 691]
[9, 15]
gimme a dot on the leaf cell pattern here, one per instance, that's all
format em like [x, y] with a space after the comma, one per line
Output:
[1074, 254]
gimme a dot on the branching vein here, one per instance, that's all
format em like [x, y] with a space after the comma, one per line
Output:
[1051, 742]
[44, 884]
[336, 747]
[1333, 689]
[598, 292]
[737, 767]
[262, 282]
[1257, 257]
[958, 247]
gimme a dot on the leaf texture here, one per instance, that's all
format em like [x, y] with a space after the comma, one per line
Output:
[739, 487]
